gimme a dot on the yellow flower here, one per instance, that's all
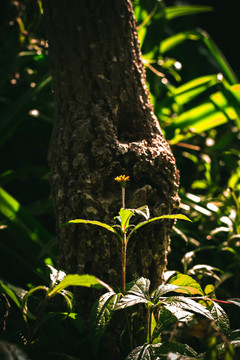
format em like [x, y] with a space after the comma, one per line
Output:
[122, 179]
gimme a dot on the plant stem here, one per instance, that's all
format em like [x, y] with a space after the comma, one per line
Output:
[124, 258]
[123, 197]
[150, 326]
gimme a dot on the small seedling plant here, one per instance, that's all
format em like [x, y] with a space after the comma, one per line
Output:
[162, 307]
[175, 301]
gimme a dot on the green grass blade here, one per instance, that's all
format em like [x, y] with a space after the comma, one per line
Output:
[23, 220]
[173, 12]
[185, 93]
[199, 35]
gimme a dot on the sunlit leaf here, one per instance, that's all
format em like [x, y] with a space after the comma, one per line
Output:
[172, 12]
[22, 219]
[79, 280]
[7, 291]
[137, 293]
[163, 289]
[94, 222]
[170, 217]
[186, 304]
[234, 301]
[186, 284]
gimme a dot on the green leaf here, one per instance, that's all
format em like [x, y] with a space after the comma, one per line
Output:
[166, 317]
[175, 216]
[196, 35]
[143, 352]
[94, 222]
[136, 294]
[174, 347]
[185, 93]
[101, 314]
[172, 12]
[163, 289]
[7, 291]
[221, 318]
[22, 219]
[234, 301]
[78, 280]
[125, 216]
[186, 304]
[186, 284]
[25, 309]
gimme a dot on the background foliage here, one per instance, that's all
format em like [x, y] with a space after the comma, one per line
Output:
[196, 96]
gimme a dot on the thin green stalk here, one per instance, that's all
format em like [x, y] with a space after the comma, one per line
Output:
[123, 197]
[124, 258]
[149, 325]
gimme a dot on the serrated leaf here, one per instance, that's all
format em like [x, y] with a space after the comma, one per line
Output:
[220, 318]
[163, 289]
[187, 304]
[186, 284]
[137, 293]
[234, 301]
[143, 352]
[79, 280]
[101, 314]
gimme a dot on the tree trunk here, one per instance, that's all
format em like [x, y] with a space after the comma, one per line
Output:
[104, 127]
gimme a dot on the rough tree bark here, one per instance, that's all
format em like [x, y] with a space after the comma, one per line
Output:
[105, 126]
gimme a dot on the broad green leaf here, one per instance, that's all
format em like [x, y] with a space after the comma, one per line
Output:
[186, 304]
[163, 289]
[125, 216]
[101, 314]
[166, 318]
[78, 280]
[94, 222]
[136, 294]
[143, 352]
[172, 12]
[186, 284]
[174, 347]
[221, 318]
[22, 219]
[175, 216]
[7, 291]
